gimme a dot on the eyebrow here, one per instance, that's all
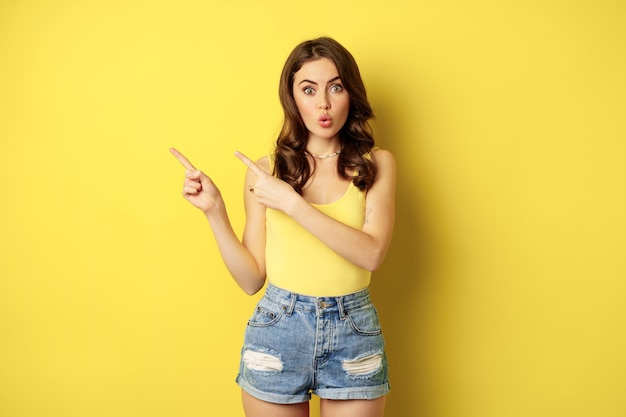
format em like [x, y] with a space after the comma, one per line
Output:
[313, 82]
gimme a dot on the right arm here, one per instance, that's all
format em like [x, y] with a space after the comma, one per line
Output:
[245, 260]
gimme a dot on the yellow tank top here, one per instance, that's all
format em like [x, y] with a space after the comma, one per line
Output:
[299, 262]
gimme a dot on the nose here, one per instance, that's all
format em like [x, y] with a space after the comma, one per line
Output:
[324, 103]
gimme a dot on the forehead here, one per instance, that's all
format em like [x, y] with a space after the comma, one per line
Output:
[318, 70]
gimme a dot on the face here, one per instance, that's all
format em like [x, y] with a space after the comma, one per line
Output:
[321, 99]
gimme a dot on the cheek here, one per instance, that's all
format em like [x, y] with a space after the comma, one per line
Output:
[344, 102]
[345, 107]
[301, 106]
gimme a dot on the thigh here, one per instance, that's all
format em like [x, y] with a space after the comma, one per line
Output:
[361, 408]
[253, 407]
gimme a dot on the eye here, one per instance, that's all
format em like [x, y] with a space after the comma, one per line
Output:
[336, 88]
[308, 90]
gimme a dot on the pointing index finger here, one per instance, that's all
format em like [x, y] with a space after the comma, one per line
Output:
[254, 167]
[181, 158]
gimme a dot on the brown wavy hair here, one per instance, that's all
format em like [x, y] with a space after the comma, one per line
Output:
[356, 137]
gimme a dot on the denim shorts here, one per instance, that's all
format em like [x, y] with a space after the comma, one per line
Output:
[296, 345]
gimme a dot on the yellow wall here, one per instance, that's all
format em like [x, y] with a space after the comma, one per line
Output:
[503, 292]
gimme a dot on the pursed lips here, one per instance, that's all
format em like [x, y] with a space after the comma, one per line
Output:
[325, 120]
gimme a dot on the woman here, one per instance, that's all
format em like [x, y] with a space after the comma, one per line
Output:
[319, 220]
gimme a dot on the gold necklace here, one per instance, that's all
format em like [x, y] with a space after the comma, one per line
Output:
[330, 155]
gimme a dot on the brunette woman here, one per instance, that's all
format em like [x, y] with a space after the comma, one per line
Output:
[319, 220]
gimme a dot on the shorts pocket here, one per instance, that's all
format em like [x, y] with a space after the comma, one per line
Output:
[267, 313]
[364, 320]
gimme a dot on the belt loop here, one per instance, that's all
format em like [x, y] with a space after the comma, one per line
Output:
[342, 312]
[292, 304]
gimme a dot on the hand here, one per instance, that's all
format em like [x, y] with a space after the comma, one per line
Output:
[198, 188]
[269, 190]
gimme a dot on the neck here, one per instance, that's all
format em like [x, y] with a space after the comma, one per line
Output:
[316, 145]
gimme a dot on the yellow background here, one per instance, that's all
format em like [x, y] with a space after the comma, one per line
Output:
[503, 292]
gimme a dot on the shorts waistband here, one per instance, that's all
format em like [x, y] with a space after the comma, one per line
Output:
[320, 305]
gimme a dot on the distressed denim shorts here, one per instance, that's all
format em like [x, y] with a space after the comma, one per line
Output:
[296, 345]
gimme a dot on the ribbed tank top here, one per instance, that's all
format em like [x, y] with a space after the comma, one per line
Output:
[299, 262]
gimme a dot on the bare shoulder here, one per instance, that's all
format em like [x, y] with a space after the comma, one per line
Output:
[384, 159]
